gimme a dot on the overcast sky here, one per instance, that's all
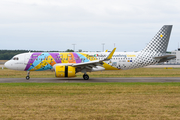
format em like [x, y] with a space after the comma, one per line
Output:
[57, 24]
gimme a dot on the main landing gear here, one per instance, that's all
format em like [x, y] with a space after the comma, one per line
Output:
[27, 77]
[86, 77]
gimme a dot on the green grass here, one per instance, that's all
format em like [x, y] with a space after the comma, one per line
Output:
[141, 72]
[84, 101]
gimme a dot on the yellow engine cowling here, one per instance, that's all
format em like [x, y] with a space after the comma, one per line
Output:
[65, 71]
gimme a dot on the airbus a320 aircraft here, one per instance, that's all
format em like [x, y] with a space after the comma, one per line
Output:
[67, 64]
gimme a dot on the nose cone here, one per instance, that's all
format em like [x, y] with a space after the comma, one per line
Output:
[7, 65]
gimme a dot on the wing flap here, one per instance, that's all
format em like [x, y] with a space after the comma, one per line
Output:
[94, 63]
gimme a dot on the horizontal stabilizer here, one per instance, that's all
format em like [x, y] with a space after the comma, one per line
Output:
[165, 58]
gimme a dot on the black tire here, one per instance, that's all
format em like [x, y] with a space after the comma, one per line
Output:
[86, 77]
[27, 77]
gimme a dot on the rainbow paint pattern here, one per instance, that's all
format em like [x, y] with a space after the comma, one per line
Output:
[45, 61]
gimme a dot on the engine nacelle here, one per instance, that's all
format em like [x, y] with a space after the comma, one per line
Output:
[65, 71]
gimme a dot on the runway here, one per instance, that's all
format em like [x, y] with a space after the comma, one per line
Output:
[91, 80]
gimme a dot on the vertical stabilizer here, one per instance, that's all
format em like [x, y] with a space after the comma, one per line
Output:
[156, 48]
[160, 41]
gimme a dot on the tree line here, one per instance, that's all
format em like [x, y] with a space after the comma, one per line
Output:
[8, 54]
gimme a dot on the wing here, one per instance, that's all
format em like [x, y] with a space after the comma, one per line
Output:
[91, 64]
[165, 58]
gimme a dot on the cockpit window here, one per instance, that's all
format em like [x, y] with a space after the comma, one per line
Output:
[15, 58]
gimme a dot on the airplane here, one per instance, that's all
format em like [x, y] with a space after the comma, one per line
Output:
[67, 64]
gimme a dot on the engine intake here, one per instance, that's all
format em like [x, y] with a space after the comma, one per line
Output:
[65, 71]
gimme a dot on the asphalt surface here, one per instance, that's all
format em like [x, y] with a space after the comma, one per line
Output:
[91, 80]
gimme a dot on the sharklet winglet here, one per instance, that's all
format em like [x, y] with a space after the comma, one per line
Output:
[110, 55]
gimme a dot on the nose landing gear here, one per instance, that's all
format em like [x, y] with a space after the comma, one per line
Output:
[27, 77]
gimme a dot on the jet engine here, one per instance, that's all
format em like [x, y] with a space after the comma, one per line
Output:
[65, 71]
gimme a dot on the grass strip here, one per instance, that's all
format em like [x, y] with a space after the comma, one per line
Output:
[141, 72]
[85, 101]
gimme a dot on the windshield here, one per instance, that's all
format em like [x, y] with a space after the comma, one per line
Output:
[15, 58]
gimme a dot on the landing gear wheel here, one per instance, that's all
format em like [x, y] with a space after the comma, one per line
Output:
[27, 77]
[86, 77]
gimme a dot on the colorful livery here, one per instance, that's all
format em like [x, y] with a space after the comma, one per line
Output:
[67, 64]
